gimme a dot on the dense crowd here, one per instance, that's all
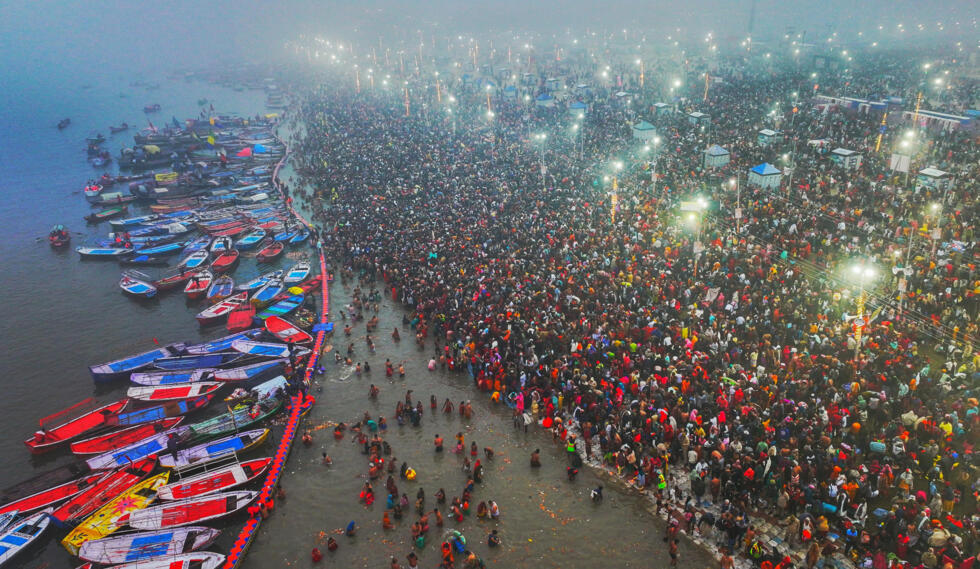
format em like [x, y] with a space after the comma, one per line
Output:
[672, 342]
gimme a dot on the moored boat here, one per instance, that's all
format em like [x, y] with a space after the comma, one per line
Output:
[161, 250]
[287, 331]
[198, 284]
[174, 279]
[269, 350]
[193, 560]
[235, 419]
[250, 240]
[137, 284]
[222, 309]
[267, 293]
[20, 535]
[223, 344]
[301, 236]
[282, 307]
[191, 510]
[144, 261]
[195, 361]
[221, 288]
[271, 252]
[241, 317]
[252, 371]
[123, 437]
[51, 496]
[108, 487]
[133, 221]
[152, 445]
[151, 378]
[195, 260]
[144, 546]
[218, 480]
[103, 252]
[43, 481]
[112, 515]
[125, 366]
[260, 281]
[225, 261]
[48, 437]
[159, 412]
[157, 393]
[297, 273]
[220, 245]
[106, 214]
[209, 451]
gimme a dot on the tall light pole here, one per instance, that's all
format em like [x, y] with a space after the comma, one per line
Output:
[614, 197]
[738, 204]
[541, 138]
[862, 273]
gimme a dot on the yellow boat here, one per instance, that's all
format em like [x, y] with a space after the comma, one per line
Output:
[107, 519]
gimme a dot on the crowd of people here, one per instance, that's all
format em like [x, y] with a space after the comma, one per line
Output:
[717, 355]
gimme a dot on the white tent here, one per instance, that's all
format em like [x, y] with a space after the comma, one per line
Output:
[716, 157]
[644, 131]
[769, 136]
[933, 179]
[765, 175]
[848, 159]
[697, 117]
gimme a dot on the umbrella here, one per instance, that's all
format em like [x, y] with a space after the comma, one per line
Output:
[244, 152]
[295, 290]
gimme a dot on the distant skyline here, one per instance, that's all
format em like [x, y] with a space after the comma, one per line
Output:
[121, 36]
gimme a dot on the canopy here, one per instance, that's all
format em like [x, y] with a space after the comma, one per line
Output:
[151, 148]
[643, 125]
[244, 152]
[765, 169]
[716, 150]
[259, 149]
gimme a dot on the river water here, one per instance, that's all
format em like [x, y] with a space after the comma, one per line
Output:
[63, 315]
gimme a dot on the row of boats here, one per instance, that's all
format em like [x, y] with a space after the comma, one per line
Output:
[143, 480]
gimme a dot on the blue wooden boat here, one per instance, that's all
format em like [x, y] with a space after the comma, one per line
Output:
[125, 366]
[18, 536]
[267, 293]
[160, 250]
[216, 449]
[159, 412]
[126, 455]
[301, 236]
[103, 252]
[220, 245]
[283, 307]
[284, 236]
[297, 273]
[252, 371]
[222, 344]
[153, 378]
[133, 221]
[251, 240]
[267, 349]
[196, 361]
[260, 281]
[197, 245]
[137, 284]
[195, 260]
[222, 287]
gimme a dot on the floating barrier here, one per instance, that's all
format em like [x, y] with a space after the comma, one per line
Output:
[300, 405]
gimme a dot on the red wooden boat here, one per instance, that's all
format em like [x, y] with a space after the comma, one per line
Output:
[70, 428]
[214, 481]
[271, 252]
[232, 231]
[174, 280]
[199, 284]
[286, 331]
[159, 393]
[111, 485]
[241, 318]
[190, 511]
[51, 496]
[222, 309]
[212, 229]
[225, 262]
[271, 226]
[118, 439]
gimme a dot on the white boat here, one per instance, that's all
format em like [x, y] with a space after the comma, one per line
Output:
[102, 252]
[137, 284]
[251, 371]
[152, 378]
[144, 546]
[140, 449]
[214, 449]
[20, 534]
[221, 309]
[220, 245]
[190, 511]
[6, 519]
[177, 392]
[297, 273]
[195, 560]
[267, 349]
[195, 259]
[259, 282]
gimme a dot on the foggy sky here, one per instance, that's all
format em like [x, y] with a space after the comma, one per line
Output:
[94, 36]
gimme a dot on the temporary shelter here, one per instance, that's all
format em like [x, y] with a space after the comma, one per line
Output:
[765, 175]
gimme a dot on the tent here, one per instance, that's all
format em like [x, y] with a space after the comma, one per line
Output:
[847, 159]
[765, 175]
[768, 137]
[545, 100]
[510, 92]
[661, 108]
[697, 118]
[577, 108]
[644, 131]
[716, 157]
[933, 179]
